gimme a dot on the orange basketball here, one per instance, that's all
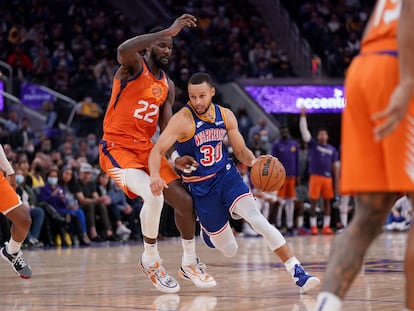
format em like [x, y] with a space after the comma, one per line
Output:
[267, 174]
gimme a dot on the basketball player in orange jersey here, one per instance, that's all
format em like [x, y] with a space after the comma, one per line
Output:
[11, 206]
[142, 96]
[377, 145]
[219, 192]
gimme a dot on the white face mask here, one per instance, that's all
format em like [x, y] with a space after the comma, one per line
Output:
[19, 179]
[30, 148]
[52, 180]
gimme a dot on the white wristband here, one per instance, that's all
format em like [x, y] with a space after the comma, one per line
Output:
[174, 156]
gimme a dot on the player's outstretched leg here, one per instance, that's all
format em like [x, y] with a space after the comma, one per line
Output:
[277, 243]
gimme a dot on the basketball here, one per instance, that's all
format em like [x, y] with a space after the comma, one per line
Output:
[267, 174]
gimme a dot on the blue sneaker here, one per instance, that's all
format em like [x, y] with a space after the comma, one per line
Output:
[305, 281]
[206, 239]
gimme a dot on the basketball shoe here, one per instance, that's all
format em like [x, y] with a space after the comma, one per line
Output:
[17, 262]
[197, 274]
[206, 239]
[327, 230]
[159, 277]
[305, 281]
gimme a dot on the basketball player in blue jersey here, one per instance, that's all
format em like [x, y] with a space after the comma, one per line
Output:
[218, 190]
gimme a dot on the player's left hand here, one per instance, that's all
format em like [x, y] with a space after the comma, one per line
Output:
[157, 185]
[185, 163]
[395, 111]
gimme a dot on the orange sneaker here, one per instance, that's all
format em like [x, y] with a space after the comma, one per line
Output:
[327, 230]
[314, 230]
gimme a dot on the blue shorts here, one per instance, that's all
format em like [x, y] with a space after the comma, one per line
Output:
[214, 207]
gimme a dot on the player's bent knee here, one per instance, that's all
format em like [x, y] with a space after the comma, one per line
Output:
[230, 249]
[150, 216]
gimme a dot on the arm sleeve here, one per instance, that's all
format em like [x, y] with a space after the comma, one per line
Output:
[304, 131]
[4, 163]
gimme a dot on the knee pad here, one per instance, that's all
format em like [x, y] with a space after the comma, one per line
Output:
[138, 182]
[248, 210]
[225, 242]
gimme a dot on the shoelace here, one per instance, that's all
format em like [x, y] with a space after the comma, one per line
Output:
[156, 271]
[200, 267]
[19, 261]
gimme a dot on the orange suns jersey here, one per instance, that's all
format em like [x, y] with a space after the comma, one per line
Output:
[381, 32]
[133, 111]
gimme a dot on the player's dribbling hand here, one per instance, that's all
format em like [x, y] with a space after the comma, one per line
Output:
[157, 185]
[185, 20]
[392, 115]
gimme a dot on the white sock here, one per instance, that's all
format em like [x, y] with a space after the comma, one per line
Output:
[13, 247]
[300, 221]
[150, 254]
[327, 221]
[328, 302]
[312, 221]
[189, 254]
[344, 219]
[290, 264]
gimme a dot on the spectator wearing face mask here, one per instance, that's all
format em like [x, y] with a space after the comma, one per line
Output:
[55, 195]
[266, 134]
[92, 152]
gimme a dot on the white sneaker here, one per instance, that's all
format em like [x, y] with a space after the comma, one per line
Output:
[159, 277]
[197, 274]
[122, 230]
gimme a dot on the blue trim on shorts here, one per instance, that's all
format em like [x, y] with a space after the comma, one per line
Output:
[392, 53]
[106, 152]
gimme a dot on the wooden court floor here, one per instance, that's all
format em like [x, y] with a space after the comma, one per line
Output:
[107, 278]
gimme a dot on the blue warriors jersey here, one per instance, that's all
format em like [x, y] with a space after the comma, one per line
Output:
[205, 145]
[216, 185]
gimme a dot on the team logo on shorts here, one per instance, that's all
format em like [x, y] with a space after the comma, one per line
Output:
[156, 91]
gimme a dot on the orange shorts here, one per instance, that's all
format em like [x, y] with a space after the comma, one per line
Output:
[367, 165]
[9, 198]
[111, 156]
[320, 186]
[288, 189]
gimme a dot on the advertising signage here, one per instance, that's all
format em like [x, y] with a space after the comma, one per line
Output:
[291, 98]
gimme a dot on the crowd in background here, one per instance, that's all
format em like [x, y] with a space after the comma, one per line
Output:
[333, 28]
[70, 46]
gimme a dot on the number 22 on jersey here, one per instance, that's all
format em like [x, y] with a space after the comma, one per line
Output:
[146, 111]
[386, 12]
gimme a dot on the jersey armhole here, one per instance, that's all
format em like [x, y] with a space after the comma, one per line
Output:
[223, 115]
[190, 135]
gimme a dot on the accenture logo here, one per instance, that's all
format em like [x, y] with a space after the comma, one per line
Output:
[337, 101]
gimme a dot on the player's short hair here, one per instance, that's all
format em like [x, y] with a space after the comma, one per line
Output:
[201, 77]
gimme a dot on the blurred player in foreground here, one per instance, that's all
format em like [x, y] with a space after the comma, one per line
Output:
[377, 145]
